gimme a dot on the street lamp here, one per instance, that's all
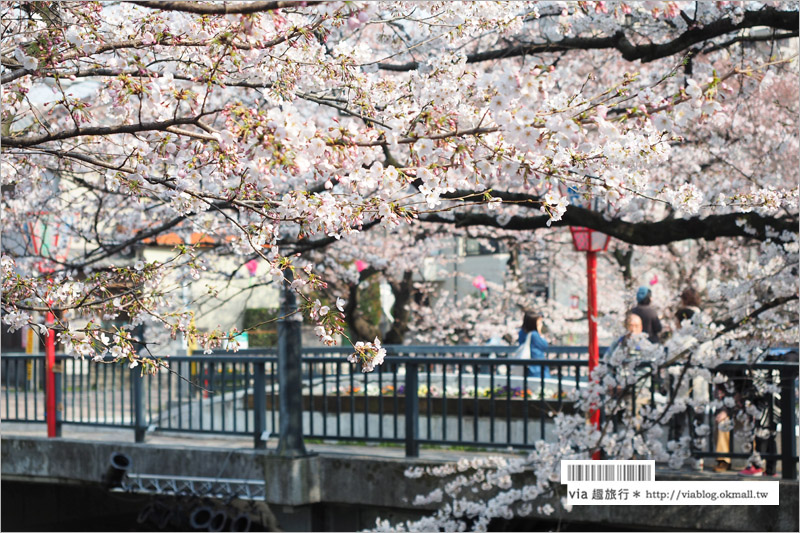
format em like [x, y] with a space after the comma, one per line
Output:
[43, 246]
[591, 242]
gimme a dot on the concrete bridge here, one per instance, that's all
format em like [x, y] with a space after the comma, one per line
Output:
[60, 483]
[208, 451]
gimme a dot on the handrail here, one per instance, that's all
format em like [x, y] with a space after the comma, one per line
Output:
[269, 357]
[391, 349]
[473, 392]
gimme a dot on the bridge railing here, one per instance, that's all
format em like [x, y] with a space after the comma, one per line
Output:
[468, 396]
[218, 393]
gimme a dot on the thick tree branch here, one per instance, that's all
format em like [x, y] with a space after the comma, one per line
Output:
[225, 8]
[15, 74]
[639, 233]
[771, 18]
[768, 17]
[26, 142]
[750, 39]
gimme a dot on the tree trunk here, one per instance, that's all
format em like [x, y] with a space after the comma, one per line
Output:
[361, 328]
[623, 258]
[402, 291]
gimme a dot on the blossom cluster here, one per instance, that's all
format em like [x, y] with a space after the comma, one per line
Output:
[369, 354]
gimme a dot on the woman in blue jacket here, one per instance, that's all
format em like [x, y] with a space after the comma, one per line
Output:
[532, 327]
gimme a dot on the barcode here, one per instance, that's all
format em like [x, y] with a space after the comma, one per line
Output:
[576, 471]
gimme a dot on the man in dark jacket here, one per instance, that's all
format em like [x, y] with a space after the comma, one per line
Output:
[650, 322]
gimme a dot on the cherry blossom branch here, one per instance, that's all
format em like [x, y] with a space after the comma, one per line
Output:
[730, 324]
[772, 18]
[411, 140]
[137, 73]
[194, 135]
[308, 245]
[226, 8]
[90, 160]
[25, 142]
[20, 71]
[639, 233]
[750, 39]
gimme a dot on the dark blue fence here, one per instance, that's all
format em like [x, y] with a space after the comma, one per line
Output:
[469, 396]
[458, 391]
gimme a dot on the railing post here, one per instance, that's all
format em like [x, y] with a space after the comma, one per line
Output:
[137, 393]
[290, 374]
[259, 405]
[412, 409]
[58, 380]
[137, 390]
[788, 421]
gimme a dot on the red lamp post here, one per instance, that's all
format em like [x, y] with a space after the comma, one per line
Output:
[50, 378]
[42, 247]
[591, 242]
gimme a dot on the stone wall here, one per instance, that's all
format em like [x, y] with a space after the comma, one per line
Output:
[337, 491]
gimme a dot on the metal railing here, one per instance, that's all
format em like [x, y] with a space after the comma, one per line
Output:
[784, 375]
[470, 396]
[221, 394]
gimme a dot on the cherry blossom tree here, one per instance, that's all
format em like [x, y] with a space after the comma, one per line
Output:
[270, 126]
[277, 131]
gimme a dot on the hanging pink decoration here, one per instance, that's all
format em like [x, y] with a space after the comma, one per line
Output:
[654, 280]
[252, 266]
[479, 283]
[360, 265]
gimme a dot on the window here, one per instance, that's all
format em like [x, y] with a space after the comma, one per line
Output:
[484, 246]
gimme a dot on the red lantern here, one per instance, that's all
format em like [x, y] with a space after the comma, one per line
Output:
[589, 240]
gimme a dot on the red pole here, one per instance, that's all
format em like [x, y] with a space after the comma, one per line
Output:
[591, 275]
[594, 352]
[50, 377]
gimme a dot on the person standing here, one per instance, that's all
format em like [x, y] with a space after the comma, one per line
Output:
[650, 321]
[532, 329]
[633, 326]
[692, 391]
[690, 305]
[622, 358]
[723, 438]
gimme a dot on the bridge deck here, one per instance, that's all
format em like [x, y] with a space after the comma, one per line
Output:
[348, 481]
[165, 438]
[427, 453]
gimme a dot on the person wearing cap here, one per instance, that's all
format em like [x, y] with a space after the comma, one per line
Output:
[650, 322]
